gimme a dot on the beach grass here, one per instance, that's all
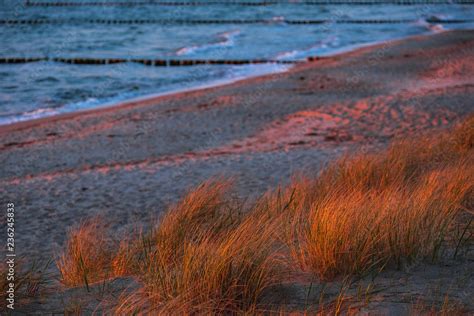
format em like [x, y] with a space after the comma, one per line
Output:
[24, 280]
[213, 253]
[391, 207]
[87, 254]
[204, 256]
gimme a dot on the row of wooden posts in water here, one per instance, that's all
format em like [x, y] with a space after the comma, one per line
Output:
[244, 3]
[152, 62]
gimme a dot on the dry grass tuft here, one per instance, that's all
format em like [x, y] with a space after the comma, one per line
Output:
[206, 257]
[87, 254]
[390, 207]
[29, 280]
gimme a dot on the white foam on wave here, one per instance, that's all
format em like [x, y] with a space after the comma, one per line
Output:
[30, 115]
[430, 26]
[278, 19]
[330, 41]
[89, 103]
[225, 39]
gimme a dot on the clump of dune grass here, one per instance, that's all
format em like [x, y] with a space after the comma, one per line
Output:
[29, 280]
[204, 210]
[357, 230]
[87, 255]
[395, 206]
[205, 256]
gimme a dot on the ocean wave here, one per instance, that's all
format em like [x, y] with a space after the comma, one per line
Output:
[225, 39]
[278, 19]
[430, 24]
[330, 41]
[30, 115]
[65, 108]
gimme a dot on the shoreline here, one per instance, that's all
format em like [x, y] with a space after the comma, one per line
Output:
[158, 97]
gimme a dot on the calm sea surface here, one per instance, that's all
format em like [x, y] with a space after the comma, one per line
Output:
[47, 88]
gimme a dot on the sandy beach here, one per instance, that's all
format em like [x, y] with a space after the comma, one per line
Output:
[130, 161]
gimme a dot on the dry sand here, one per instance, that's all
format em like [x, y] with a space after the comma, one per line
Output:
[131, 160]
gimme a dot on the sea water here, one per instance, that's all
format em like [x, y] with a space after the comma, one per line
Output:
[46, 88]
